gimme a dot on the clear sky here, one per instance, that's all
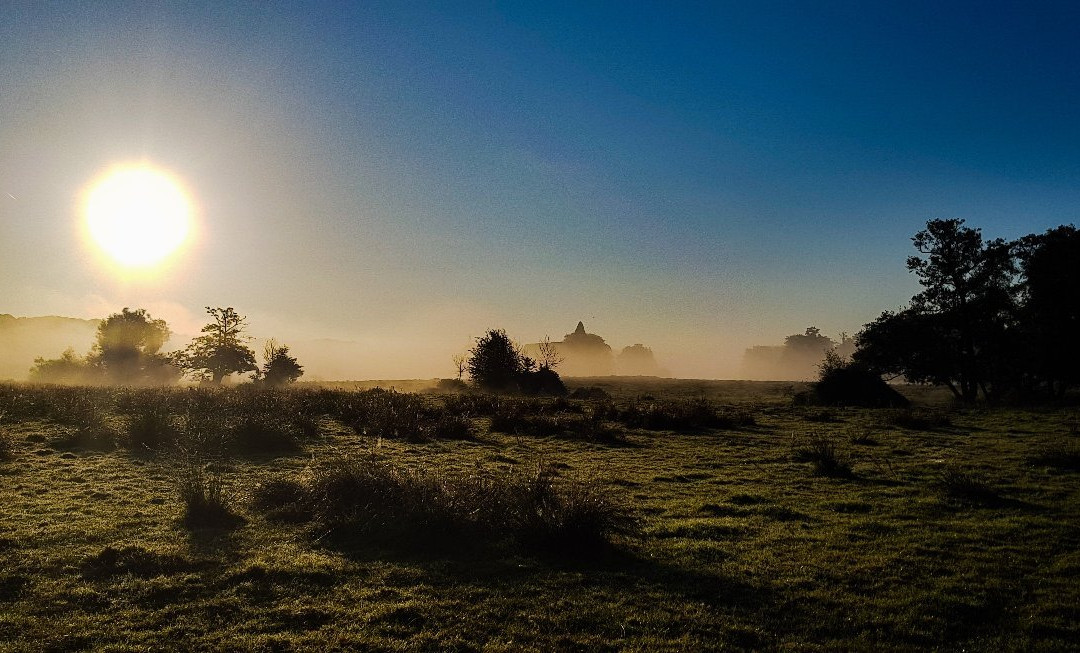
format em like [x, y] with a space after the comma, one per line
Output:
[698, 177]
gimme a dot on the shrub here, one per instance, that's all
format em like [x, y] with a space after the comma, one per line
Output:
[544, 381]
[692, 415]
[451, 386]
[851, 384]
[821, 452]
[590, 392]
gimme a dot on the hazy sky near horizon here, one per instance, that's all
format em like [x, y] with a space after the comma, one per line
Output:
[698, 177]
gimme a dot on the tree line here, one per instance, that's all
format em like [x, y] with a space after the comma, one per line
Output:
[127, 351]
[996, 320]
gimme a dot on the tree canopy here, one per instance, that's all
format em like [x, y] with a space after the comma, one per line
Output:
[222, 349]
[279, 368]
[126, 349]
[994, 318]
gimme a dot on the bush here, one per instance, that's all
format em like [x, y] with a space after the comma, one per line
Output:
[264, 433]
[821, 452]
[590, 392]
[543, 381]
[851, 384]
[547, 420]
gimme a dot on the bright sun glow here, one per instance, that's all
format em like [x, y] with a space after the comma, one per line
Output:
[138, 215]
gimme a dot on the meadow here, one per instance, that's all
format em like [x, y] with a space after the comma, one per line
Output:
[638, 514]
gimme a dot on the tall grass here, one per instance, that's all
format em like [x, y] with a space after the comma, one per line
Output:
[823, 455]
[202, 492]
[375, 496]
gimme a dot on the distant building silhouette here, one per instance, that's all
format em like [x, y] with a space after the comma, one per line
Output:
[586, 354]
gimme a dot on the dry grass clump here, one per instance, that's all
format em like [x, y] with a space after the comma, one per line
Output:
[822, 454]
[202, 492]
[374, 496]
[967, 488]
[677, 415]
[7, 445]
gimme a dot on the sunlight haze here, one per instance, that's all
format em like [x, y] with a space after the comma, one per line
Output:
[699, 178]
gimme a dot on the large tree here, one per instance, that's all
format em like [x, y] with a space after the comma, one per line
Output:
[1050, 316]
[222, 349]
[960, 331]
[127, 349]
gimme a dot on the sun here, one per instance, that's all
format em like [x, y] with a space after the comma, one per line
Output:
[138, 215]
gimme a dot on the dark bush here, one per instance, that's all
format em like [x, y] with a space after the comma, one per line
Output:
[684, 416]
[852, 384]
[264, 433]
[590, 392]
[151, 429]
[543, 381]
[451, 386]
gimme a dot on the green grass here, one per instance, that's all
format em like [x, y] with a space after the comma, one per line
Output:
[957, 533]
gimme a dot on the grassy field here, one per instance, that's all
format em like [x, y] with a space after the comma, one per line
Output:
[666, 516]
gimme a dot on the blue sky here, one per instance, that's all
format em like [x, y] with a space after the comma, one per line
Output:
[699, 177]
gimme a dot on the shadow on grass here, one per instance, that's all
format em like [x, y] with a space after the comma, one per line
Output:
[506, 565]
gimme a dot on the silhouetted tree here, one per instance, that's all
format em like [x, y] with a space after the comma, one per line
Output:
[70, 369]
[222, 349]
[460, 363]
[496, 363]
[1050, 315]
[548, 354]
[960, 330]
[279, 368]
[127, 346]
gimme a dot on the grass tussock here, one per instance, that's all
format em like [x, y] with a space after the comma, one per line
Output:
[202, 492]
[374, 496]
[7, 445]
[966, 488]
[821, 452]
